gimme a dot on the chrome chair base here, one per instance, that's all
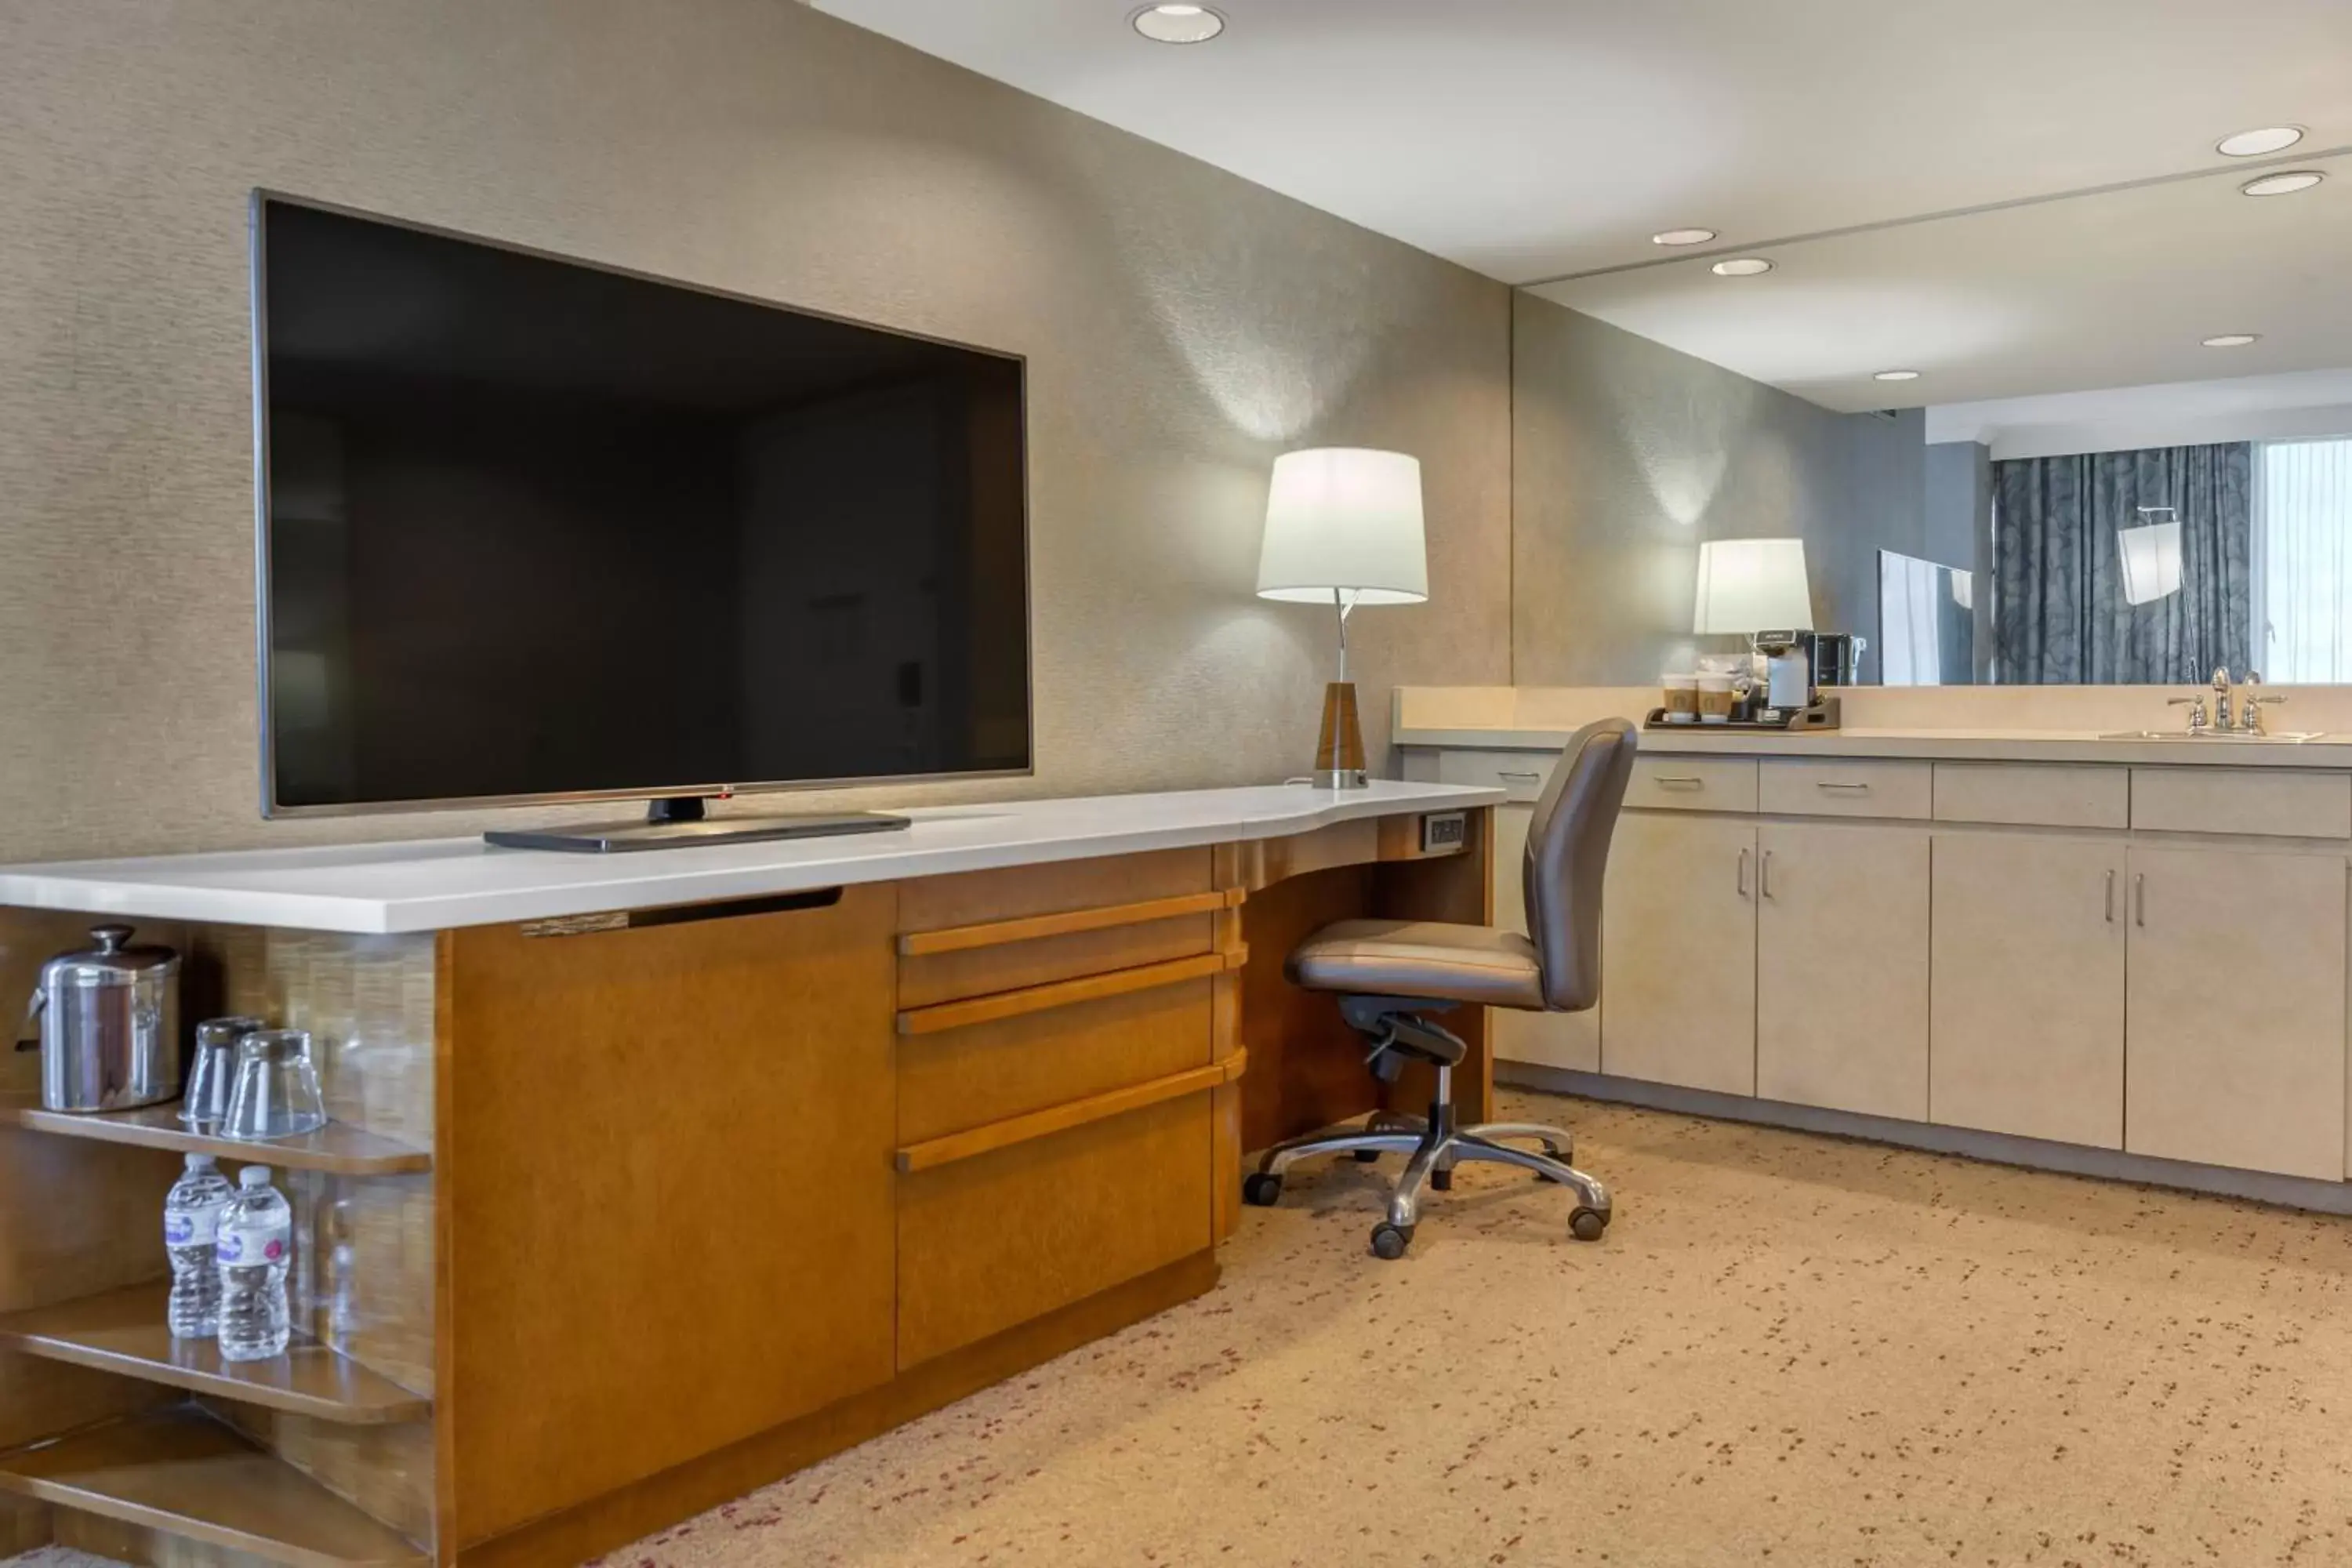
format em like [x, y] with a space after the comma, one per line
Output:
[1433, 1145]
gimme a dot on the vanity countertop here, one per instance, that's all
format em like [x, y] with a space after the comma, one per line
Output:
[1941, 744]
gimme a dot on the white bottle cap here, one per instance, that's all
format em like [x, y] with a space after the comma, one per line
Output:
[200, 1162]
[253, 1176]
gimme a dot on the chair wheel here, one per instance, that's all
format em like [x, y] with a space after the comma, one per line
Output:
[1441, 1181]
[1586, 1224]
[1261, 1189]
[1389, 1241]
[1366, 1156]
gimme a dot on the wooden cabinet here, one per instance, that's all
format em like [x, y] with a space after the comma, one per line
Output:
[665, 1191]
[1678, 953]
[1842, 967]
[1547, 1039]
[2033, 948]
[2026, 986]
[2235, 1053]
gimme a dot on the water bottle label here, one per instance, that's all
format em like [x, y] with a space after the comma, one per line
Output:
[192, 1228]
[247, 1244]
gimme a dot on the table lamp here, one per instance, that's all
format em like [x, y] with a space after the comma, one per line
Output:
[2151, 557]
[1343, 527]
[1750, 586]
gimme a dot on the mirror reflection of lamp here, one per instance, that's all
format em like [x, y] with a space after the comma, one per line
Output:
[2151, 557]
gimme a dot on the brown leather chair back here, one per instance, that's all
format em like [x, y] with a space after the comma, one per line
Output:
[1568, 852]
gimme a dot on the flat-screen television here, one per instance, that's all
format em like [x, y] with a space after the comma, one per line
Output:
[533, 530]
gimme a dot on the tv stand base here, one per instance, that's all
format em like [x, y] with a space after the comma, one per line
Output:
[678, 823]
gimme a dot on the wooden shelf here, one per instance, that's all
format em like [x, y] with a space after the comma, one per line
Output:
[124, 1333]
[182, 1472]
[345, 1151]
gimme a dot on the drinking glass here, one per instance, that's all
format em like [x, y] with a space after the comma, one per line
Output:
[277, 1093]
[213, 1080]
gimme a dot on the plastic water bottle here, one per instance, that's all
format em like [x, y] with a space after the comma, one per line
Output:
[256, 1247]
[192, 1213]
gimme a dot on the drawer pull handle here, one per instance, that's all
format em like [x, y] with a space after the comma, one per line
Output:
[1831, 783]
[1533, 777]
[939, 1016]
[1678, 782]
[995, 1135]
[993, 933]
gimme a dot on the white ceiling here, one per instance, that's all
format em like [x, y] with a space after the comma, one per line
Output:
[2113, 290]
[2292, 405]
[1536, 139]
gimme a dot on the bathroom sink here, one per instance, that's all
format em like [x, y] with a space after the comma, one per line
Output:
[2233, 737]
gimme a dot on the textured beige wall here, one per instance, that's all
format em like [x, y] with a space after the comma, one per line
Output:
[1182, 327]
[1628, 454]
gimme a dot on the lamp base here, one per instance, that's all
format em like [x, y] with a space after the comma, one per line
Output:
[1339, 752]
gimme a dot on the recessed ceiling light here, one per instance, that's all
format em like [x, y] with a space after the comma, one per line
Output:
[2233, 339]
[1742, 267]
[2254, 143]
[2285, 184]
[1178, 24]
[1682, 237]
[1897, 375]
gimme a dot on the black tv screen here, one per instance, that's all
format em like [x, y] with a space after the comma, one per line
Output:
[534, 528]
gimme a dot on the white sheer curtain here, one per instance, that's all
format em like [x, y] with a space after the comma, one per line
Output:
[2304, 507]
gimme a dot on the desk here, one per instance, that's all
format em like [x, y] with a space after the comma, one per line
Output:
[655, 1177]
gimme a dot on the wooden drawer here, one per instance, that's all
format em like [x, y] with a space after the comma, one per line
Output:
[961, 1078]
[1693, 783]
[974, 897]
[2038, 794]
[952, 974]
[1520, 774]
[2281, 802]
[995, 1240]
[1842, 786]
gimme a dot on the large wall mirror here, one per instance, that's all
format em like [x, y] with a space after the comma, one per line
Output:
[2101, 438]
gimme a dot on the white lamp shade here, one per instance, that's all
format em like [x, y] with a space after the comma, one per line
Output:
[1347, 519]
[2151, 562]
[1752, 585]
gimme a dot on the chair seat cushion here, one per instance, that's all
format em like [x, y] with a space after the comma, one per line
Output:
[1421, 958]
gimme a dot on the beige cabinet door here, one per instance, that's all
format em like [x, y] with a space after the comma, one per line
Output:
[2234, 1044]
[2026, 986]
[1678, 952]
[1842, 967]
[1546, 1039]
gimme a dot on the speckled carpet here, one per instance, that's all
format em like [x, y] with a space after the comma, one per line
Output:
[1789, 1348]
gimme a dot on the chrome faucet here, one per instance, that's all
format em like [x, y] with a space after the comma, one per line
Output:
[2195, 706]
[2251, 705]
[2220, 701]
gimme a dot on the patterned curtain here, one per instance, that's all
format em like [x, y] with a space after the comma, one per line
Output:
[2059, 613]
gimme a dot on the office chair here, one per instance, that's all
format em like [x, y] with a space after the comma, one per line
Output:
[1391, 976]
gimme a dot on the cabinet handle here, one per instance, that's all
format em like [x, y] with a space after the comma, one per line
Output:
[1743, 873]
[1764, 875]
[1663, 781]
[1537, 776]
[1827, 784]
[2111, 895]
[2140, 899]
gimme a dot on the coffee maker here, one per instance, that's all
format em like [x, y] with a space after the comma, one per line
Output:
[1836, 658]
[1799, 668]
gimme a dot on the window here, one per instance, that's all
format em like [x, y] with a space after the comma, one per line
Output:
[2303, 568]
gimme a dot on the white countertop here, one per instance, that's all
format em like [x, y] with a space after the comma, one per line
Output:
[428, 884]
[1937, 745]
